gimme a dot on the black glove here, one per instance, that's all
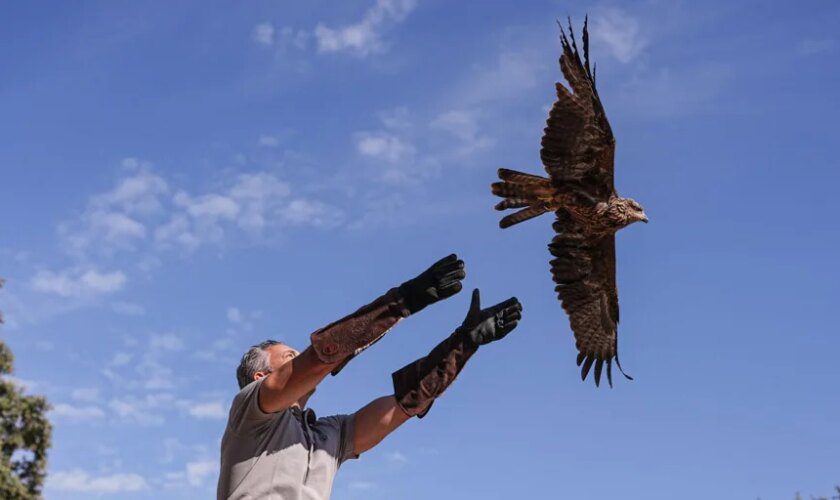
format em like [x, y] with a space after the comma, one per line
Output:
[440, 281]
[483, 326]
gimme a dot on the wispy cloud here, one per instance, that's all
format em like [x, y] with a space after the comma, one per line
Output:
[117, 219]
[263, 34]
[199, 472]
[128, 308]
[362, 38]
[384, 146]
[463, 126]
[86, 394]
[671, 92]
[85, 413]
[79, 481]
[618, 33]
[78, 283]
[362, 485]
[214, 410]
[396, 457]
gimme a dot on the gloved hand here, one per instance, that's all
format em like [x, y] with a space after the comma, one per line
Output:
[483, 326]
[440, 281]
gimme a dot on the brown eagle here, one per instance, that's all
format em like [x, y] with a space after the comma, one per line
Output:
[578, 149]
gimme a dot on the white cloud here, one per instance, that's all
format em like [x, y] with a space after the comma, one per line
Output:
[103, 282]
[179, 231]
[86, 394]
[233, 315]
[142, 204]
[514, 71]
[166, 342]
[111, 222]
[78, 283]
[396, 457]
[261, 196]
[211, 410]
[210, 206]
[77, 480]
[77, 412]
[199, 472]
[672, 92]
[619, 32]
[362, 485]
[365, 37]
[24, 384]
[142, 411]
[120, 359]
[139, 193]
[384, 146]
[263, 34]
[268, 141]
[155, 375]
[396, 119]
[463, 125]
[312, 213]
[294, 38]
[128, 308]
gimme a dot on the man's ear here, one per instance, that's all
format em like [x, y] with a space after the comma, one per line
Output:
[260, 375]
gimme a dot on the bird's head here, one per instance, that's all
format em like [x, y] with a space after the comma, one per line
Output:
[627, 211]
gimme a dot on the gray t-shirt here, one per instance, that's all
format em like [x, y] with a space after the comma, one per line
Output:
[289, 455]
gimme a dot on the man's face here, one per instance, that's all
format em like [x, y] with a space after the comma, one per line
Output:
[278, 355]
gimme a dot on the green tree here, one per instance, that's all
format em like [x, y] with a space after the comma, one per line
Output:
[24, 435]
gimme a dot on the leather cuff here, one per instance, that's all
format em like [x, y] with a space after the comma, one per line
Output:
[419, 383]
[347, 337]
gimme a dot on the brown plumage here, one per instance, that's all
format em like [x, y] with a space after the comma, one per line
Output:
[578, 149]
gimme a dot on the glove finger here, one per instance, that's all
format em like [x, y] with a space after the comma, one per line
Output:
[515, 307]
[451, 276]
[512, 315]
[450, 289]
[449, 259]
[511, 326]
[448, 268]
[513, 301]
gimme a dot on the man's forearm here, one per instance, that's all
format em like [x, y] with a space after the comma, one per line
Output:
[341, 340]
[292, 381]
[376, 420]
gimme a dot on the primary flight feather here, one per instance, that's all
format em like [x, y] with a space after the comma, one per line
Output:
[578, 149]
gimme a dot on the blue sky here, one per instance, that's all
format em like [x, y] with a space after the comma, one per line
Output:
[181, 180]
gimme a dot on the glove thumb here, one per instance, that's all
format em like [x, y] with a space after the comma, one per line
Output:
[475, 304]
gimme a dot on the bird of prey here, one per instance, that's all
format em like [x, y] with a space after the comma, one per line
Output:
[578, 149]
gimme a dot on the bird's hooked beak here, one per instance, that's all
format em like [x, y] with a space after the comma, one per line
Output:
[644, 218]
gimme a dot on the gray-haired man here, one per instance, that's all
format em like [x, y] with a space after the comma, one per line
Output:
[275, 447]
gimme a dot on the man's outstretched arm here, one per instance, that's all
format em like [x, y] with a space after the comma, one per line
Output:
[418, 384]
[292, 380]
[342, 340]
[376, 420]
[335, 344]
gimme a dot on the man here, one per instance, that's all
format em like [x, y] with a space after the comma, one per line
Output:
[274, 447]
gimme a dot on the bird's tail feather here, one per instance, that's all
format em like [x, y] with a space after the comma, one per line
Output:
[513, 203]
[521, 190]
[522, 215]
[521, 177]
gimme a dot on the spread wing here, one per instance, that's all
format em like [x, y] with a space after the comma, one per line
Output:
[578, 146]
[584, 270]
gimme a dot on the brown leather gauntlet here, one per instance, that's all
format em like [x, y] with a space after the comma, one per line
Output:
[417, 384]
[347, 337]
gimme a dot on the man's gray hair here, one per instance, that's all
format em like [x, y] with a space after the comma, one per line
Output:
[253, 361]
